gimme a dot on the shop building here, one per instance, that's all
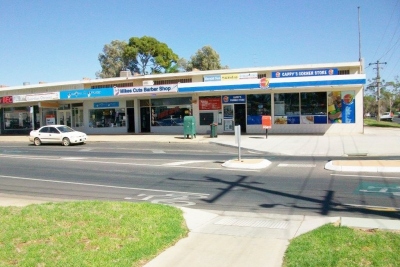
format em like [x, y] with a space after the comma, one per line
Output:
[301, 99]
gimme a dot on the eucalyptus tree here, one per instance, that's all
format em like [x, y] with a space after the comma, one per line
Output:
[112, 60]
[205, 58]
[147, 55]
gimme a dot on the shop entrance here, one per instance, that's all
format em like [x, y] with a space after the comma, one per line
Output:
[234, 114]
[131, 120]
[240, 116]
[145, 120]
[64, 117]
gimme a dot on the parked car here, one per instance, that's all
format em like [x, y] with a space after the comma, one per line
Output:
[57, 134]
[386, 116]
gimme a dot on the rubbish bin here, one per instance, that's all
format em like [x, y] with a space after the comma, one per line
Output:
[213, 132]
[189, 127]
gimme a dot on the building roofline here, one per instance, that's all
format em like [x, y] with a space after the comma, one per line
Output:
[182, 75]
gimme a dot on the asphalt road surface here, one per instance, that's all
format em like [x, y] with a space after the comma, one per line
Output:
[191, 175]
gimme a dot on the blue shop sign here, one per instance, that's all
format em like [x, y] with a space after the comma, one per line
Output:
[86, 93]
[304, 73]
[106, 105]
[233, 99]
[212, 78]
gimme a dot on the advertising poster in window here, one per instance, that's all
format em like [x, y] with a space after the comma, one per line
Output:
[50, 120]
[341, 107]
[348, 107]
[210, 103]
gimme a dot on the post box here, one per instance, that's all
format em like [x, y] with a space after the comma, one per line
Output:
[266, 124]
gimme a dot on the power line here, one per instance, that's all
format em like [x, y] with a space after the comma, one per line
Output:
[386, 28]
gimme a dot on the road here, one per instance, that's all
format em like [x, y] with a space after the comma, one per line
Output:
[192, 175]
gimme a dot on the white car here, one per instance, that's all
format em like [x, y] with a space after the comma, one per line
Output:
[57, 134]
[386, 116]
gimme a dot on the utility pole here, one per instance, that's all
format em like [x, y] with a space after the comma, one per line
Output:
[378, 85]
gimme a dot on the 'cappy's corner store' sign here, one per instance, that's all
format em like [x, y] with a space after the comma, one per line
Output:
[304, 73]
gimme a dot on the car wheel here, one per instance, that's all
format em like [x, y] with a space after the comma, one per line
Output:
[37, 142]
[66, 142]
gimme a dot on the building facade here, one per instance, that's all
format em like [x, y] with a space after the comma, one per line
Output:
[301, 99]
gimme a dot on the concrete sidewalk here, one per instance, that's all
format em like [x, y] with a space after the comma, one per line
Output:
[221, 238]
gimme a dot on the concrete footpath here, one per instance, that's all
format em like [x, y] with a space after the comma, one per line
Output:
[222, 238]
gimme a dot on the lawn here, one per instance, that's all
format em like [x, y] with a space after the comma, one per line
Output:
[337, 246]
[87, 233]
[375, 123]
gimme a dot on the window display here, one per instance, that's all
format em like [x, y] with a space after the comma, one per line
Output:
[17, 118]
[287, 108]
[170, 111]
[258, 105]
[313, 108]
[113, 117]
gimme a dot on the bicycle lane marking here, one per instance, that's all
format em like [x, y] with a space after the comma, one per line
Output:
[175, 199]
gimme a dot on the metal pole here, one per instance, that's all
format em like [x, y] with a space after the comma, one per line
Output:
[237, 135]
[266, 133]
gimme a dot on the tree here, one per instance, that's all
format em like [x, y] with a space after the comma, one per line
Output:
[389, 96]
[205, 58]
[147, 55]
[112, 60]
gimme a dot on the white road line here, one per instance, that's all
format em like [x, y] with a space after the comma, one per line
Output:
[184, 162]
[368, 176]
[123, 163]
[297, 165]
[158, 151]
[98, 185]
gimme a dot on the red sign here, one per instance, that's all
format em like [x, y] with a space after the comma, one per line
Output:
[264, 83]
[6, 100]
[266, 122]
[213, 103]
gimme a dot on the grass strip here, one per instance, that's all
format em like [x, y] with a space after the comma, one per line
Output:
[87, 233]
[331, 245]
[375, 123]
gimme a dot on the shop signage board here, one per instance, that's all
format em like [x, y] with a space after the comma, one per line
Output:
[6, 100]
[234, 99]
[140, 90]
[86, 93]
[304, 73]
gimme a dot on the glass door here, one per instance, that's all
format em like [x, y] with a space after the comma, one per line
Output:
[228, 118]
[64, 117]
[77, 118]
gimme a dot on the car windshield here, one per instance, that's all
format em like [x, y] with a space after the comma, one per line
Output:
[65, 129]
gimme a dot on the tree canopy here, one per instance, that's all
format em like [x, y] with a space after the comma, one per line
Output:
[147, 55]
[112, 60]
[205, 58]
[389, 97]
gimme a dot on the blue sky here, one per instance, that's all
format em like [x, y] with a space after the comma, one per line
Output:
[55, 41]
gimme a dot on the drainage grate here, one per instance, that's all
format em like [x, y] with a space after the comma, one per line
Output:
[259, 223]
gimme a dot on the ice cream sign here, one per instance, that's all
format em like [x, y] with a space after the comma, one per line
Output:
[304, 73]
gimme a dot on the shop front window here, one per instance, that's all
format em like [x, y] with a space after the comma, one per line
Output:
[170, 111]
[17, 118]
[313, 108]
[257, 106]
[113, 117]
[287, 108]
